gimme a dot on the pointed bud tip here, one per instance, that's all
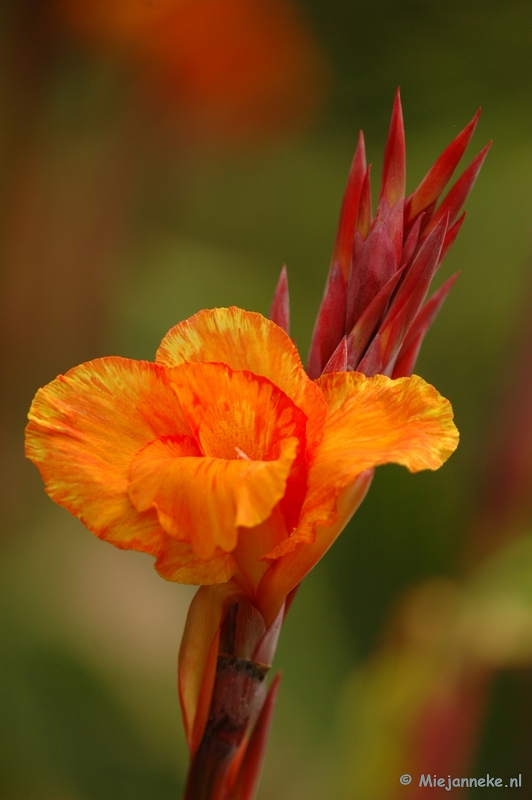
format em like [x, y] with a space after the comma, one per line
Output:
[479, 159]
[280, 307]
[394, 167]
[474, 121]
[338, 360]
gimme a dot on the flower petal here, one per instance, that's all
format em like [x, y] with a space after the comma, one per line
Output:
[254, 543]
[238, 412]
[246, 341]
[371, 421]
[380, 421]
[176, 561]
[84, 429]
[204, 500]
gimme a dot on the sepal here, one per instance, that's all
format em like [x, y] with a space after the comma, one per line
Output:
[368, 323]
[376, 262]
[198, 653]
[338, 360]
[365, 212]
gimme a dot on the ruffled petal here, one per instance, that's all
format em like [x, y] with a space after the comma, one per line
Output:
[247, 341]
[380, 421]
[86, 426]
[373, 421]
[204, 500]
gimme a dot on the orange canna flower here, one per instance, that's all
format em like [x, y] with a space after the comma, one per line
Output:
[226, 462]
[223, 458]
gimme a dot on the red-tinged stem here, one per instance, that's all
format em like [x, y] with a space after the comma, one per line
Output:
[237, 699]
[234, 703]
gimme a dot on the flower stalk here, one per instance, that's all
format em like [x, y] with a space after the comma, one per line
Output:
[238, 700]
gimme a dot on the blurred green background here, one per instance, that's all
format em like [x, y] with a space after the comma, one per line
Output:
[146, 176]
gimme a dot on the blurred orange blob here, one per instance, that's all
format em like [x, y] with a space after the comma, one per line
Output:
[237, 68]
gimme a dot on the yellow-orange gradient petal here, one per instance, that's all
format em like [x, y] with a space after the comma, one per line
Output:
[373, 421]
[378, 420]
[84, 429]
[245, 340]
[204, 500]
